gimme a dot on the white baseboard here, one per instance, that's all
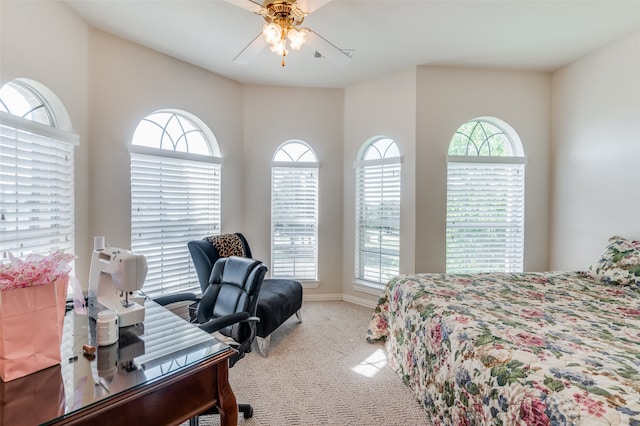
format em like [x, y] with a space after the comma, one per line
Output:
[341, 297]
[322, 297]
[358, 301]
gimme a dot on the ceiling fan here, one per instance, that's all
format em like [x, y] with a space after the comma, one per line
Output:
[282, 30]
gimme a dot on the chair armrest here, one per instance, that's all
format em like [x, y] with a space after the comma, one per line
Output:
[227, 320]
[174, 298]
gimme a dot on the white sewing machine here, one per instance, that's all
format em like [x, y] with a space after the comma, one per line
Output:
[115, 274]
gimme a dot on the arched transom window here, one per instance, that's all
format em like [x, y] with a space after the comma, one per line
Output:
[20, 99]
[485, 198]
[175, 195]
[294, 212]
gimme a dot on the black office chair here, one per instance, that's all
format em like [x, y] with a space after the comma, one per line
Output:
[228, 305]
[279, 298]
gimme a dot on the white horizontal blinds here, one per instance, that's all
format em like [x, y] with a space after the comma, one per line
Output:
[36, 188]
[378, 220]
[175, 196]
[294, 218]
[485, 217]
[173, 200]
[485, 198]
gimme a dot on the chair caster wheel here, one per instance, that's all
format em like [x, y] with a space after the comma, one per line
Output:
[248, 414]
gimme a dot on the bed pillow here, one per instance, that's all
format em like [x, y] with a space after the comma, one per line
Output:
[619, 263]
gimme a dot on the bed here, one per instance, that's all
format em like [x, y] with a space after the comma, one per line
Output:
[556, 348]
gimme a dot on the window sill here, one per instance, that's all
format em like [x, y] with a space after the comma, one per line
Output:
[309, 283]
[305, 283]
[368, 287]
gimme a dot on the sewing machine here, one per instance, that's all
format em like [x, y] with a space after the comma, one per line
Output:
[114, 275]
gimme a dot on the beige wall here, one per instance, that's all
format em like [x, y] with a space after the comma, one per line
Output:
[128, 82]
[46, 42]
[108, 84]
[447, 98]
[381, 107]
[596, 153]
[272, 116]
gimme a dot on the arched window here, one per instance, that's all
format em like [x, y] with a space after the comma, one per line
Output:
[20, 99]
[377, 256]
[294, 212]
[175, 196]
[37, 213]
[485, 198]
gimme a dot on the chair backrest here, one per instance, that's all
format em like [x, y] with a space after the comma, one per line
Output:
[234, 286]
[204, 254]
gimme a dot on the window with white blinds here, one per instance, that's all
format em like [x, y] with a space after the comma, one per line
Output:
[36, 177]
[485, 199]
[294, 212]
[175, 197]
[377, 239]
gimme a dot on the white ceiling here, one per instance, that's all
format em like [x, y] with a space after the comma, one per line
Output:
[386, 35]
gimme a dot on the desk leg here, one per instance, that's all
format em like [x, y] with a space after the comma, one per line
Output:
[227, 405]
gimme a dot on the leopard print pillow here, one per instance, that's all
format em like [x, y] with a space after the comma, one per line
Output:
[227, 245]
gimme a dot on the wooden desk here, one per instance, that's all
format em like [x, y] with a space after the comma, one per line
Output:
[162, 373]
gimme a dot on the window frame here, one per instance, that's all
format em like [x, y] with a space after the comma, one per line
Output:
[44, 176]
[391, 163]
[296, 260]
[503, 213]
[170, 266]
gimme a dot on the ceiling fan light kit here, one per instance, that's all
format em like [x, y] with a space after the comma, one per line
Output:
[283, 19]
[282, 31]
[277, 36]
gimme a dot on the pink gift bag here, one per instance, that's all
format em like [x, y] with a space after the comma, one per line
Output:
[31, 322]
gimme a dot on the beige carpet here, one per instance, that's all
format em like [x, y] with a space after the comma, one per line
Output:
[323, 372]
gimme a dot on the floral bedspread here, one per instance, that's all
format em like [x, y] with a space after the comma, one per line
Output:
[552, 348]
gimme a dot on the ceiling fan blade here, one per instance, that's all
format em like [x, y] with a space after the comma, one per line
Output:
[252, 49]
[250, 5]
[326, 48]
[309, 6]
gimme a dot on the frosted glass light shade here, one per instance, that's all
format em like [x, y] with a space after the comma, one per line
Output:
[280, 48]
[272, 33]
[296, 38]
